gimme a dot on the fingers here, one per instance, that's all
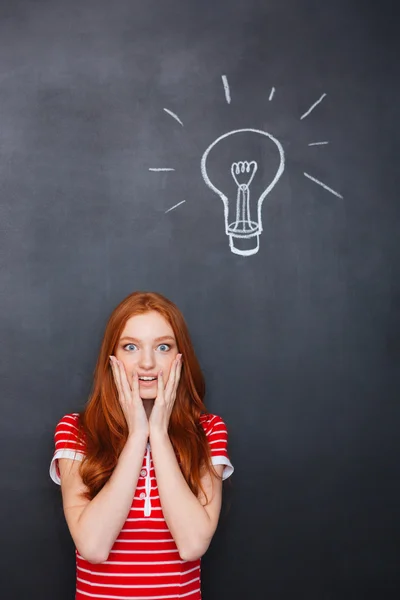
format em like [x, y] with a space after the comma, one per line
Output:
[124, 380]
[178, 373]
[174, 376]
[128, 389]
[135, 385]
[160, 386]
[171, 380]
[116, 374]
[120, 378]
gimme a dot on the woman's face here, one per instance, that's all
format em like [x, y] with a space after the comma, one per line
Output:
[147, 345]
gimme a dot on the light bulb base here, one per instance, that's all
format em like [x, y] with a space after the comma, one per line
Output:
[244, 246]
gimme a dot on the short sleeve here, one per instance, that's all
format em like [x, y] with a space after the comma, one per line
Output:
[217, 435]
[67, 444]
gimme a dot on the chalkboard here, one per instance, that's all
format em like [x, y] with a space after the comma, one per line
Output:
[136, 141]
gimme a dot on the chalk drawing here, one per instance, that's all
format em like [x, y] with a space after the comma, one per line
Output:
[173, 115]
[248, 169]
[175, 206]
[226, 88]
[242, 221]
[323, 185]
[312, 107]
[161, 169]
[242, 208]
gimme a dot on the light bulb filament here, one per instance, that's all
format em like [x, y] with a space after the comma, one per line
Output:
[243, 170]
[243, 173]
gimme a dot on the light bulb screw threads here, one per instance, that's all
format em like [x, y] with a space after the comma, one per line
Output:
[244, 245]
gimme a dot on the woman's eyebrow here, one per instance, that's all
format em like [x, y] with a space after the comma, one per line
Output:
[159, 339]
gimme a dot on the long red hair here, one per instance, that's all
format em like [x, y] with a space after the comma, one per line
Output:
[102, 422]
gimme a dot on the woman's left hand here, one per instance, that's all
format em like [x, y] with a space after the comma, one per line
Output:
[165, 400]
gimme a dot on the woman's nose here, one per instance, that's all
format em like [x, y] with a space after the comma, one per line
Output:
[146, 360]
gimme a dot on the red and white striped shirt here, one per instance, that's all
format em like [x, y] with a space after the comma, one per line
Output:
[144, 562]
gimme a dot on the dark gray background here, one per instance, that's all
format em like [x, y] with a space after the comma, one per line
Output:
[299, 343]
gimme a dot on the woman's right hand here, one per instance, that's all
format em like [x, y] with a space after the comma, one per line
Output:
[129, 399]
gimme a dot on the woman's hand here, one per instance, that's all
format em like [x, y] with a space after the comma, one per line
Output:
[129, 399]
[164, 403]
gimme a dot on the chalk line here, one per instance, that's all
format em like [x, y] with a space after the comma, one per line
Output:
[173, 115]
[323, 185]
[318, 143]
[161, 169]
[175, 206]
[226, 88]
[312, 107]
[272, 94]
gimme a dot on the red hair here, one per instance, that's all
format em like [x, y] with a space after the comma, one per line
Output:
[102, 422]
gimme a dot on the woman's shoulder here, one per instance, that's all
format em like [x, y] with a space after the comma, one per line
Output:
[68, 430]
[68, 443]
[212, 422]
[217, 437]
[69, 422]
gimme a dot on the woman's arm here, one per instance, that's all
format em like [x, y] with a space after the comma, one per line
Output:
[95, 525]
[191, 525]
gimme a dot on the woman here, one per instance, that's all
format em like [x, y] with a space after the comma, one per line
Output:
[141, 467]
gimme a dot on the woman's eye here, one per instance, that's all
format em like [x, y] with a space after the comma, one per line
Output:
[164, 347]
[130, 347]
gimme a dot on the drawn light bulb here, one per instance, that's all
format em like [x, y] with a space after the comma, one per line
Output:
[243, 223]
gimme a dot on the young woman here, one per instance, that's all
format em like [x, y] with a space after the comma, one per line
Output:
[141, 467]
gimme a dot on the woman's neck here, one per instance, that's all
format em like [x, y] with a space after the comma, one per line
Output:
[148, 407]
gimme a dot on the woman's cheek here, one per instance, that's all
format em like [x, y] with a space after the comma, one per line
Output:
[168, 364]
[129, 364]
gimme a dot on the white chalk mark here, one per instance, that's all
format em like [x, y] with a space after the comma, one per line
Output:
[323, 185]
[243, 224]
[161, 169]
[243, 174]
[173, 115]
[272, 94]
[226, 88]
[312, 107]
[175, 206]
[318, 143]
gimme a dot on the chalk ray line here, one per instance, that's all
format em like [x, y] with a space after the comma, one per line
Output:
[272, 94]
[323, 185]
[175, 206]
[312, 107]
[173, 115]
[226, 89]
[318, 143]
[161, 169]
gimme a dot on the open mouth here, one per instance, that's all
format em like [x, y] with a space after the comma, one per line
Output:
[147, 379]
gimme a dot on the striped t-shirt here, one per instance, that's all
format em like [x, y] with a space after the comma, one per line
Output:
[144, 561]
